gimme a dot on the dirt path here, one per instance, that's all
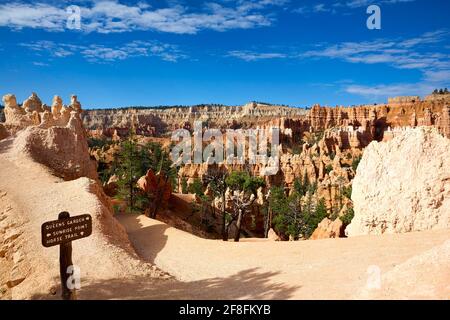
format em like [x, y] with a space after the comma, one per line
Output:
[30, 196]
[415, 265]
[324, 269]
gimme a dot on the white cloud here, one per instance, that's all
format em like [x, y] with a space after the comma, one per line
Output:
[40, 64]
[401, 54]
[417, 53]
[366, 3]
[106, 16]
[97, 53]
[320, 8]
[438, 76]
[413, 53]
[254, 56]
[382, 90]
[344, 5]
[40, 15]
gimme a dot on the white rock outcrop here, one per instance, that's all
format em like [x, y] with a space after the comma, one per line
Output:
[403, 185]
[53, 137]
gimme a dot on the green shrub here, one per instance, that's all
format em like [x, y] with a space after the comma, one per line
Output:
[355, 163]
[347, 192]
[348, 216]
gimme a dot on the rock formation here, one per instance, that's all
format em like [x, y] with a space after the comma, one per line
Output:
[403, 185]
[375, 119]
[157, 121]
[272, 235]
[17, 118]
[328, 229]
[444, 121]
[321, 144]
[403, 100]
[33, 103]
[55, 139]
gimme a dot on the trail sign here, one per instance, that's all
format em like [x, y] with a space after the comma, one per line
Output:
[66, 230]
[62, 232]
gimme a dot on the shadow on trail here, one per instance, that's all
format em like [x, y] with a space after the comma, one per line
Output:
[148, 247]
[6, 144]
[247, 284]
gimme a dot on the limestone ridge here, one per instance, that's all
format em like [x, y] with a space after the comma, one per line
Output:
[157, 121]
[403, 185]
[368, 121]
[53, 136]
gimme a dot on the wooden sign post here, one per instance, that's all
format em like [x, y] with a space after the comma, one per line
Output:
[62, 232]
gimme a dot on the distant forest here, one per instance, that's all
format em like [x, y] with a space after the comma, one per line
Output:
[440, 91]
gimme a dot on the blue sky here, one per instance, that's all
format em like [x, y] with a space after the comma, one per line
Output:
[167, 52]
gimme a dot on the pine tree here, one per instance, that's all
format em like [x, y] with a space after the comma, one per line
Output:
[305, 184]
[298, 186]
[129, 170]
[196, 187]
[184, 185]
[132, 162]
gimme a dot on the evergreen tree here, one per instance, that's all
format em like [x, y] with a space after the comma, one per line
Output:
[305, 184]
[298, 186]
[129, 169]
[184, 185]
[355, 163]
[132, 162]
[347, 218]
[217, 183]
[154, 157]
[244, 191]
[196, 187]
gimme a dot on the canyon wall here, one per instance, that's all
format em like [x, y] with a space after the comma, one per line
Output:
[157, 121]
[403, 185]
[372, 121]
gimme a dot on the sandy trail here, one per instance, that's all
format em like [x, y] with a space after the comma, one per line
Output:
[30, 196]
[320, 269]
[414, 265]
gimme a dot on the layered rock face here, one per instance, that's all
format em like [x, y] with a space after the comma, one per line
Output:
[357, 125]
[376, 119]
[404, 99]
[54, 136]
[157, 121]
[403, 185]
